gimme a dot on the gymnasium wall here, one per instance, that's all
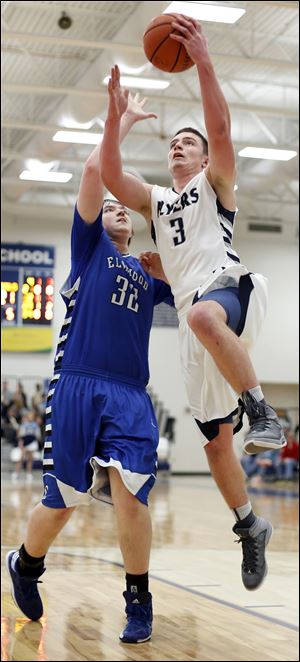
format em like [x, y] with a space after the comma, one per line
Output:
[275, 356]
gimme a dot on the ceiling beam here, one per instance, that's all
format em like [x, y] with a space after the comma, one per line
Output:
[55, 8]
[24, 210]
[281, 5]
[64, 212]
[69, 161]
[72, 187]
[49, 128]
[101, 45]
[43, 90]
[34, 4]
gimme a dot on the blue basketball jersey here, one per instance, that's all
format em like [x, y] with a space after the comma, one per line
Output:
[109, 300]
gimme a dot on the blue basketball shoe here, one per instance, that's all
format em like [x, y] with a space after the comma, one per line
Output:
[139, 618]
[24, 589]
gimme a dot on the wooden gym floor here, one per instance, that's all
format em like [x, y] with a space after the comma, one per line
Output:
[201, 609]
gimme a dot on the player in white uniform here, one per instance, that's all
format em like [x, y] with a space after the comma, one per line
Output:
[219, 302]
[181, 221]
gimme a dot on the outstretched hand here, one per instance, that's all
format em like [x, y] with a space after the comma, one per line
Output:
[136, 108]
[151, 263]
[118, 96]
[121, 101]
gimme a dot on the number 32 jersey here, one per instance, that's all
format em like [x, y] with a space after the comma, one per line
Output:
[193, 234]
[110, 301]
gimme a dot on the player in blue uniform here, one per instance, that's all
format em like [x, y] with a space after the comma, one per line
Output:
[101, 431]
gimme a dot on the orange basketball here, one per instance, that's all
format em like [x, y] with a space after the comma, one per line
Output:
[163, 52]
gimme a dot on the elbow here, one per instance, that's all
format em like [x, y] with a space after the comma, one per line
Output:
[91, 169]
[223, 131]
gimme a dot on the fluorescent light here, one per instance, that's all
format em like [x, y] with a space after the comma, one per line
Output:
[36, 176]
[82, 137]
[266, 153]
[40, 166]
[70, 123]
[203, 12]
[142, 83]
[133, 71]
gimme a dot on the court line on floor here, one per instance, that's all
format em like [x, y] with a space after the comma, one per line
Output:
[226, 603]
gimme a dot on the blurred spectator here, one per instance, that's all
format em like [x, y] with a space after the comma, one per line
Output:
[41, 421]
[28, 436]
[288, 461]
[20, 399]
[249, 465]
[163, 454]
[6, 395]
[263, 466]
[267, 465]
[10, 425]
[38, 400]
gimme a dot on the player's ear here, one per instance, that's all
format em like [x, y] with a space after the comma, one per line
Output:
[205, 161]
[132, 235]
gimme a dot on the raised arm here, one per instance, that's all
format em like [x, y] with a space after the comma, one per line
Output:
[221, 168]
[124, 186]
[91, 190]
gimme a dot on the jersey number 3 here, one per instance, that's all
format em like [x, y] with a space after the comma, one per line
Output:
[177, 223]
[127, 294]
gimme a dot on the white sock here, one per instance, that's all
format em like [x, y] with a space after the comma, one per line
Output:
[257, 393]
[242, 511]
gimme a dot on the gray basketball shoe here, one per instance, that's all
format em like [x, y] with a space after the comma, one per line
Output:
[265, 430]
[254, 541]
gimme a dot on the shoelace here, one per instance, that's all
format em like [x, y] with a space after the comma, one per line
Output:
[136, 611]
[250, 553]
[258, 416]
[261, 423]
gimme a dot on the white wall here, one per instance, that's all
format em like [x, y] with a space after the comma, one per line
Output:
[276, 352]
[275, 356]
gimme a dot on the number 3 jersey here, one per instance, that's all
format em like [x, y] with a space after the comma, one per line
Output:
[193, 234]
[109, 301]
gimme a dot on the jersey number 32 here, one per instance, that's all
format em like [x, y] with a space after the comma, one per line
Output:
[127, 294]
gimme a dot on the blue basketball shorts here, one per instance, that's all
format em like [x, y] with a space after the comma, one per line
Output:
[91, 424]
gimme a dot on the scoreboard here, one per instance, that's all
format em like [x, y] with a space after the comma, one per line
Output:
[27, 293]
[27, 302]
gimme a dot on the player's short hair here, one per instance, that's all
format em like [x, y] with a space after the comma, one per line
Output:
[189, 129]
[115, 202]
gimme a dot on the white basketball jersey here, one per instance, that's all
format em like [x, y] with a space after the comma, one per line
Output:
[193, 234]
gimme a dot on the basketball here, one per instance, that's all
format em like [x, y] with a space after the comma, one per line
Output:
[161, 50]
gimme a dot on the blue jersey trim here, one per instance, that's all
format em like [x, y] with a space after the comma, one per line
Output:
[230, 215]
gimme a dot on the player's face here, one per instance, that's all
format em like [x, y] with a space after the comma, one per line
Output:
[117, 221]
[186, 152]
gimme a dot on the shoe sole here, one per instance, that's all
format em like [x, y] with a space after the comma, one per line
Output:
[140, 641]
[12, 588]
[253, 446]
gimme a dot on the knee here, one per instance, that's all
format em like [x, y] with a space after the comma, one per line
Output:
[202, 318]
[128, 505]
[219, 447]
[60, 514]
